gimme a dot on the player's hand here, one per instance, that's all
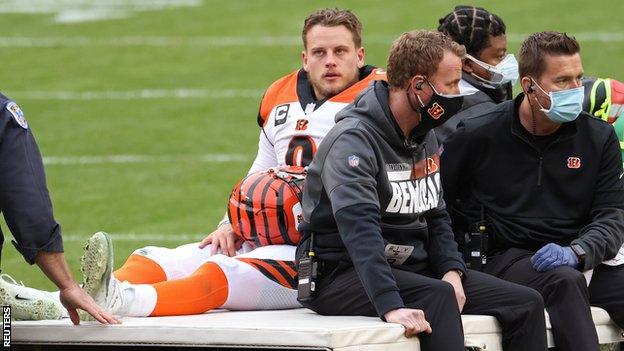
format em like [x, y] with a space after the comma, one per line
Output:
[223, 238]
[453, 278]
[413, 320]
[74, 297]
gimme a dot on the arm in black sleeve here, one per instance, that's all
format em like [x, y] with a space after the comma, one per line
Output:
[603, 236]
[443, 252]
[359, 230]
[351, 188]
[24, 199]
[455, 174]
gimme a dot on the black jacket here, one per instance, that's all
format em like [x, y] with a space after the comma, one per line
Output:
[24, 199]
[373, 199]
[569, 191]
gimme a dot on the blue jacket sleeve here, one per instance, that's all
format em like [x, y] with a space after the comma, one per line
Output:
[24, 199]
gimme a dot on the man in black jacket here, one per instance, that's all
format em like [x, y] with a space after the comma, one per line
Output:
[375, 218]
[545, 182]
[27, 209]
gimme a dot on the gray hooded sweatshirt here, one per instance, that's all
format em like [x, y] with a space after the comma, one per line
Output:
[373, 199]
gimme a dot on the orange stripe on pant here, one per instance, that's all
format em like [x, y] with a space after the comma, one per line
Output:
[204, 290]
[140, 270]
[275, 274]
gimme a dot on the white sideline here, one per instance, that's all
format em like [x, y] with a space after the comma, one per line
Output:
[228, 41]
[76, 11]
[180, 93]
[87, 160]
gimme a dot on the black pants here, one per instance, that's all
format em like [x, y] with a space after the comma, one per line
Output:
[566, 296]
[518, 309]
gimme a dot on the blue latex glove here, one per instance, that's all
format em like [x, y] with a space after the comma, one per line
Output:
[551, 256]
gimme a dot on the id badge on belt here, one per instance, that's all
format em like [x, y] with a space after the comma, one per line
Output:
[398, 254]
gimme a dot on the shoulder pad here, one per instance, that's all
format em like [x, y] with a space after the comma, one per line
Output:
[282, 90]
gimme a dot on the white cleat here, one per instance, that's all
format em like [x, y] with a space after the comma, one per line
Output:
[96, 265]
[26, 303]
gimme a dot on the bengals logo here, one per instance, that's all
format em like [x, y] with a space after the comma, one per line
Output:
[432, 166]
[302, 124]
[436, 111]
[574, 162]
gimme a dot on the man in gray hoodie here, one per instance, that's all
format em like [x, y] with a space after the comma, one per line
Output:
[375, 219]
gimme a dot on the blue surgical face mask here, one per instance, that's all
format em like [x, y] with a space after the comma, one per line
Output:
[506, 71]
[565, 105]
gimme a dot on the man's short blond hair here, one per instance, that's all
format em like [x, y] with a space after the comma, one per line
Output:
[418, 52]
[333, 18]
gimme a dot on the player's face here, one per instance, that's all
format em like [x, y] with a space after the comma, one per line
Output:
[446, 78]
[562, 72]
[496, 51]
[493, 54]
[331, 60]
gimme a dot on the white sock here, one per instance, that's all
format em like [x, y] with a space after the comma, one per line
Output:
[139, 300]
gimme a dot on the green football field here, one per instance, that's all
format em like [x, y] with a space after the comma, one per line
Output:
[145, 111]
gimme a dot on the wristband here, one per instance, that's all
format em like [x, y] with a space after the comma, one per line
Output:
[223, 221]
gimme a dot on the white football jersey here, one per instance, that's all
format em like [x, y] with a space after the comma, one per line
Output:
[294, 124]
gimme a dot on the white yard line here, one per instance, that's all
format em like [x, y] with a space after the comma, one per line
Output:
[182, 93]
[147, 238]
[77, 11]
[86, 160]
[228, 41]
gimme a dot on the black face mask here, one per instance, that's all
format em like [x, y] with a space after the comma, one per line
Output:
[439, 109]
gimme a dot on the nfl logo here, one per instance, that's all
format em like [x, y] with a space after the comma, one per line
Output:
[354, 161]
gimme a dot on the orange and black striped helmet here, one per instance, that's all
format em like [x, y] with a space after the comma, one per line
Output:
[265, 207]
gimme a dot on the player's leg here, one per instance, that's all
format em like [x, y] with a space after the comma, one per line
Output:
[340, 292]
[264, 278]
[519, 309]
[565, 295]
[154, 264]
[146, 265]
[261, 279]
[606, 290]
[249, 282]
[112, 295]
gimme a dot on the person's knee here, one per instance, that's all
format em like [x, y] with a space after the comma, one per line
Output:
[535, 298]
[440, 291]
[564, 282]
[568, 277]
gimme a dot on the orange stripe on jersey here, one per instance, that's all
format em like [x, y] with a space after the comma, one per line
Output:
[348, 95]
[282, 91]
[270, 269]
